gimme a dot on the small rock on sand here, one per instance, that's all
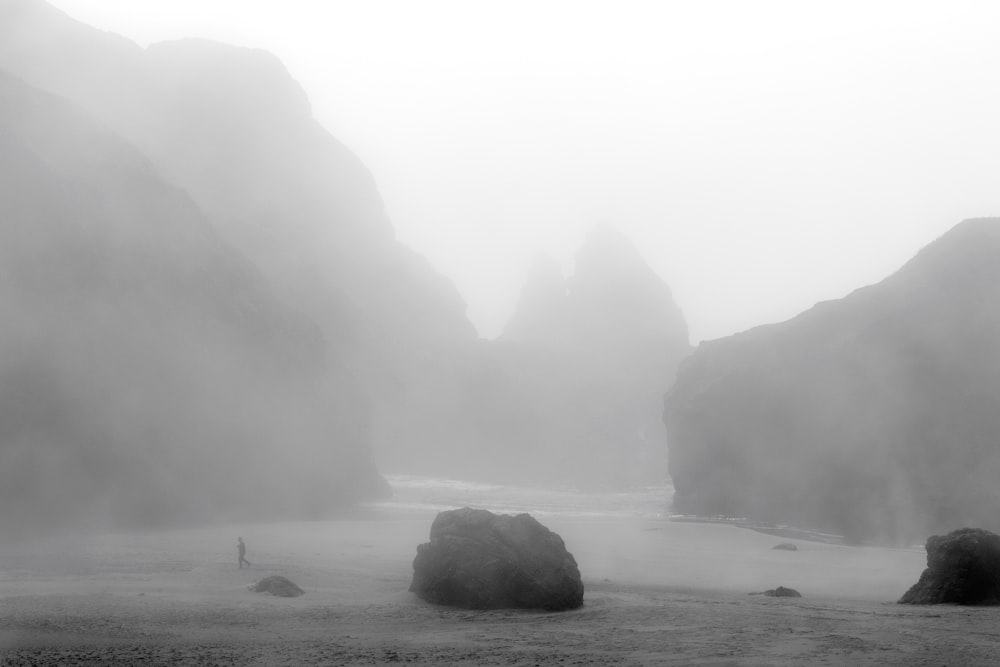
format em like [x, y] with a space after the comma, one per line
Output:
[279, 586]
[780, 592]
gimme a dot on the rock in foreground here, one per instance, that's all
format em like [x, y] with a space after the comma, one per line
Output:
[963, 567]
[479, 560]
[279, 586]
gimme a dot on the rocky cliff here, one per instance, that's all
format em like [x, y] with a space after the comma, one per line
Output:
[233, 129]
[148, 372]
[363, 331]
[875, 416]
[180, 210]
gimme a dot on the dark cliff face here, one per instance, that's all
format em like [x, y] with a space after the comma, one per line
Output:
[146, 368]
[874, 416]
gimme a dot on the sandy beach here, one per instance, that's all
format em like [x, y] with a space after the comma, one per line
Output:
[657, 592]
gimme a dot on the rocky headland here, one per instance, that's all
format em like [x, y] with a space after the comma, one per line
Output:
[210, 316]
[873, 416]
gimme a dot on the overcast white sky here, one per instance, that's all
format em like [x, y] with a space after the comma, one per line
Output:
[763, 155]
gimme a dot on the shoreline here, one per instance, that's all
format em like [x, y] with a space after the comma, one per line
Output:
[657, 592]
[789, 532]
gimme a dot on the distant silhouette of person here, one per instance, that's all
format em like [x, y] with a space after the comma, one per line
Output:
[242, 548]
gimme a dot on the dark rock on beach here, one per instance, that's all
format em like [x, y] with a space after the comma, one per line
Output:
[963, 567]
[785, 546]
[279, 586]
[479, 560]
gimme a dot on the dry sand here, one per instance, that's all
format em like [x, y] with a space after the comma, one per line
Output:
[657, 592]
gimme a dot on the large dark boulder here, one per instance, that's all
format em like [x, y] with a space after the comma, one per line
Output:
[963, 567]
[480, 560]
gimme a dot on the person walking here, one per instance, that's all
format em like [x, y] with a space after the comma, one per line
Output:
[242, 548]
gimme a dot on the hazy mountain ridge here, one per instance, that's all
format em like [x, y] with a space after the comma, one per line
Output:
[874, 415]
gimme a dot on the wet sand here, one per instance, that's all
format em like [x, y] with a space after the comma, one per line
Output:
[657, 592]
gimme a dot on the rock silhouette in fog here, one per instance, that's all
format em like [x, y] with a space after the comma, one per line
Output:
[963, 567]
[576, 382]
[204, 279]
[233, 132]
[146, 366]
[874, 416]
[479, 560]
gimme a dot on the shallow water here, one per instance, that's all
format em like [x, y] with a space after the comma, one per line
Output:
[428, 494]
